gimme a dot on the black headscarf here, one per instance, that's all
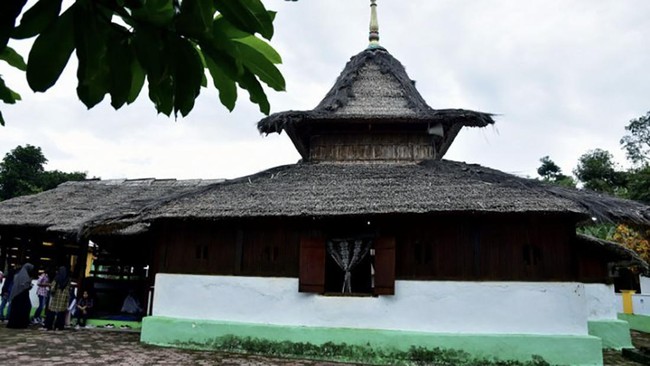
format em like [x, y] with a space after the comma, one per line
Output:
[22, 281]
[62, 280]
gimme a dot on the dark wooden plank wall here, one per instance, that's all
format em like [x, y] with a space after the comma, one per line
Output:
[227, 249]
[435, 248]
[486, 249]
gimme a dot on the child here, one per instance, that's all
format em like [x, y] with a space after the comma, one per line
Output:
[84, 305]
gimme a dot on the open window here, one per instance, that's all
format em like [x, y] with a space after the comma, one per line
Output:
[347, 266]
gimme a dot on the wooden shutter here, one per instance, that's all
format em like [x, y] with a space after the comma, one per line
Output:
[384, 266]
[312, 265]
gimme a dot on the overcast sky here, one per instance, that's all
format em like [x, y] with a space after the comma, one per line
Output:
[563, 76]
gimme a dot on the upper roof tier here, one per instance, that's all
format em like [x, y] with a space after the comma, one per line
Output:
[373, 89]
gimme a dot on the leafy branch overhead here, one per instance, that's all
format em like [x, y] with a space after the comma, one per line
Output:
[120, 44]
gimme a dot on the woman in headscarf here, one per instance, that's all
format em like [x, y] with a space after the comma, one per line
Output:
[59, 298]
[20, 305]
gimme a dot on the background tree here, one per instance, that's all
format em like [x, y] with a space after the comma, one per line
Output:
[551, 172]
[636, 142]
[597, 171]
[636, 239]
[22, 172]
[119, 43]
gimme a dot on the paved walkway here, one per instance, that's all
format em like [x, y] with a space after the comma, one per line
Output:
[115, 347]
[33, 346]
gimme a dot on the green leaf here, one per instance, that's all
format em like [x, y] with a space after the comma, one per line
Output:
[7, 95]
[195, 18]
[228, 30]
[262, 47]
[154, 51]
[9, 11]
[37, 19]
[255, 91]
[247, 15]
[91, 41]
[13, 58]
[226, 86]
[262, 67]
[156, 12]
[149, 50]
[162, 95]
[137, 81]
[189, 74]
[50, 52]
[224, 60]
[120, 59]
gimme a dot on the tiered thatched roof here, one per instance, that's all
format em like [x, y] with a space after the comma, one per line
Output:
[373, 87]
[66, 209]
[337, 189]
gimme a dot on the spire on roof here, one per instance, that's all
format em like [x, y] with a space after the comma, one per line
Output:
[374, 25]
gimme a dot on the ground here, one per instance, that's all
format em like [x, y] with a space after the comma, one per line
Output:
[33, 346]
[117, 347]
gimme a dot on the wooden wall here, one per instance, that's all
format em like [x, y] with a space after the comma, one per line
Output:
[428, 248]
[529, 249]
[254, 249]
[371, 147]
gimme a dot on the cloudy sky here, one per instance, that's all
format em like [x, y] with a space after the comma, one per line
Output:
[563, 76]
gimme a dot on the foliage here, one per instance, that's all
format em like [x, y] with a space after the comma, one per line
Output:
[601, 231]
[52, 178]
[22, 173]
[551, 172]
[635, 239]
[358, 353]
[171, 43]
[638, 185]
[597, 171]
[637, 140]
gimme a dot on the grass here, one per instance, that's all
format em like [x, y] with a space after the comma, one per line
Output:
[418, 356]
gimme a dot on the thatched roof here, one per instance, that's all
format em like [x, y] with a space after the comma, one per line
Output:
[617, 253]
[126, 207]
[340, 189]
[373, 87]
[70, 206]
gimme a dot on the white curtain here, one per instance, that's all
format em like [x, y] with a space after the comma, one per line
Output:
[347, 254]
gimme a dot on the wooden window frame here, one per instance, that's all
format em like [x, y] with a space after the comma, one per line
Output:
[312, 266]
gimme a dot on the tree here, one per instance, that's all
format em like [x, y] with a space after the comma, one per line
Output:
[597, 171]
[119, 43]
[638, 186]
[22, 173]
[51, 179]
[551, 172]
[635, 239]
[637, 141]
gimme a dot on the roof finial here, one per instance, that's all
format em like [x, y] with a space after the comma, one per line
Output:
[374, 25]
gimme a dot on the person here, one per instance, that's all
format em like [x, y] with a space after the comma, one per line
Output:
[84, 306]
[4, 293]
[42, 290]
[131, 305]
[20, 306]
[59, 299]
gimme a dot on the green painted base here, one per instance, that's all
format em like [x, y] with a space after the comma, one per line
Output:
[637, 322]
[203, 334]
[615, 334]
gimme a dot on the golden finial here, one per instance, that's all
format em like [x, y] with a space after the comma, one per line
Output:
[374, 25]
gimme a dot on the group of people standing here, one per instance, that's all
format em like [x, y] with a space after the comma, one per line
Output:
[54, 297]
